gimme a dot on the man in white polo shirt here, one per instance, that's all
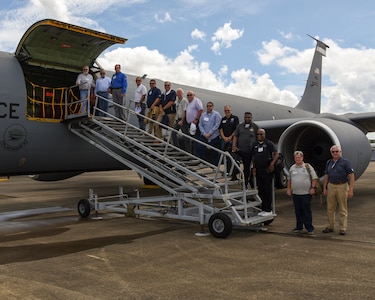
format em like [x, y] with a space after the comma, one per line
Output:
[139, 102]
[193, 114]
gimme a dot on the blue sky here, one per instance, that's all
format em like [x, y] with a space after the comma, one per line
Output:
[258, 49]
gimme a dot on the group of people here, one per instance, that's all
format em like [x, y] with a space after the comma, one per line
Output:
[117, 86]
[245, 141]
[338, 184]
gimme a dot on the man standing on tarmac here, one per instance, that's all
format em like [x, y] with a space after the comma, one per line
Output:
[119, 85]
[338, 187]
[265, 156]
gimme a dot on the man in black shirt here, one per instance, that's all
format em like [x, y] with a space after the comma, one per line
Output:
[243, 138]
[227, 128]
[265, 156]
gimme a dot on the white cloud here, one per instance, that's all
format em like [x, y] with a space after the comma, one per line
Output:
[198, 35]
[186, 70]
[287, 35]
[352, 79]
[272, 51]
[350, 72]
[224, 36]
[164, 19]
[349, 76]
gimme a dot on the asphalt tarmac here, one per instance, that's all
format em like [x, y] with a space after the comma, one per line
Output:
[48, 252]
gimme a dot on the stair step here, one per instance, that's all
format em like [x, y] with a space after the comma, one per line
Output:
[148, 148]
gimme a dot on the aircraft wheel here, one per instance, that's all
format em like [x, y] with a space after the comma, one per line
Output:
[220, 225]
[281, 179]
[84, 208]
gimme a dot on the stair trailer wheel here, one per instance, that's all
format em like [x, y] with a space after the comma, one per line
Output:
[220, 225]
[84, 208]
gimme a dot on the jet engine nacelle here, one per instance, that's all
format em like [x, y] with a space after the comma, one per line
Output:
[315, 138]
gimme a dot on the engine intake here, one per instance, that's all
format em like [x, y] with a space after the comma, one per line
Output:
[315, 138]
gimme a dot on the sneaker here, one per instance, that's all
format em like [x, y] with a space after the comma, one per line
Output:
[310, 232]
[295, 230]
[327, 230]
[342, 232]
[267, 214]
[261, 213]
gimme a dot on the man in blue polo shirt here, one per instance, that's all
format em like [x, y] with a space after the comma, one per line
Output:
[209, 123]
[119, 84]
[102, 85]
[337, 187]
[153, 100]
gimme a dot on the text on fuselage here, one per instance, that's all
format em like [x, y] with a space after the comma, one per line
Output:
[9, 110]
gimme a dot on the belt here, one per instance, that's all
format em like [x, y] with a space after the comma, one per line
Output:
[117, 88]
[102, 92]
[337, 183]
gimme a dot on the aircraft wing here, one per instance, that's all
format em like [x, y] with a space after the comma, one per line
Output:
[366, 121]
[58, 45]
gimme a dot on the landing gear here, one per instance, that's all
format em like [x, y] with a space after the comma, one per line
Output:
[281, 179]
[84, 208]
[220, 225]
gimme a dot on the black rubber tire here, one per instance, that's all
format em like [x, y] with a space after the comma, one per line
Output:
[84, 208]
[220, 225]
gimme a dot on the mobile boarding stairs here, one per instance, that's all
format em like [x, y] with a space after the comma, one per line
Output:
[197, 190]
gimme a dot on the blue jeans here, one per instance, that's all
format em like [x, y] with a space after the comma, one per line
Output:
[102, 104]
[83, 97]
[141, 116]
[302, 209]
[212, 156]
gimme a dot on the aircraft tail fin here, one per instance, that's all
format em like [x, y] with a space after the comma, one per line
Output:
[310, 100]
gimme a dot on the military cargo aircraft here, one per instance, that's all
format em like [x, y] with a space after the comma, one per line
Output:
[38, 98]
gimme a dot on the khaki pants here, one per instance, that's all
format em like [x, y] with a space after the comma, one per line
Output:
[154, 114]
[337, 194]
[157, 128]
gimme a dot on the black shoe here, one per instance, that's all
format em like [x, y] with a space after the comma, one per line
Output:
[327, 230]
[234, 178]
[342, 232]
